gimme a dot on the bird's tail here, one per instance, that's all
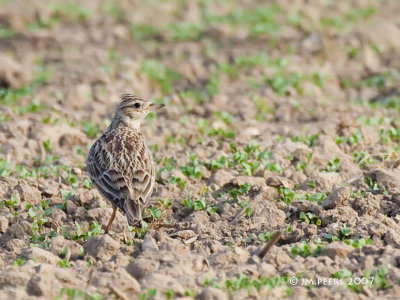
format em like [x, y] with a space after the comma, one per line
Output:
[133, 211]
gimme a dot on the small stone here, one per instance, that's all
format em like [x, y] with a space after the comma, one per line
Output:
[50, 188]
[278, 181]
[71, 207]
[77, 171]
[266, 269]
[120, 280]
[28, 193]
[337, 249]
[338, 196]
[212, 293]
[220, 178]
[3, 224]
[40, 286]
[44, 283]
[101, 247]
[142, 266]
[40, 255]
[392, 238]
[185, 234]
[282, 259]
[149, 244]
[18, 230]
[327, 181]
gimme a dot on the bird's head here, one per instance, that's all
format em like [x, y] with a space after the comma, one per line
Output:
[133, 109]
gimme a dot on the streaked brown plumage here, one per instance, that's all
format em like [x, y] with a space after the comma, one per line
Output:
[119, 162]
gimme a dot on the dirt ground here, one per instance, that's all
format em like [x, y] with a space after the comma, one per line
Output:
[281, 116]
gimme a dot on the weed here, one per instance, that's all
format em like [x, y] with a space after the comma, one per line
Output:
[287, 195]
[199, 204]
[95, 229]
[193, 168]
[71, 12]
[6, 32]
[309, 218]
[160, 74]
[150, 294]
[317, 197]
[87, 183]
[309, 140]
[333, 165]
[185, 31]
[178, 181]
[18, 262]
[90, 129]
[358, 243]
[64, 263]
[305, 249]
[71, 294]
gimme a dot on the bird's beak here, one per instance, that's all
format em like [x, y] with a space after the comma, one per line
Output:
[154, 106]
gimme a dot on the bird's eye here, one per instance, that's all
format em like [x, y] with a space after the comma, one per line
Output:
[136, 105]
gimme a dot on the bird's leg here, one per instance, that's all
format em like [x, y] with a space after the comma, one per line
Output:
[111, 220]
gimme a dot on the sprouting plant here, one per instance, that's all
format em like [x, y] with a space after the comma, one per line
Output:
[68, 194]
[344, 232]
[150, 294]
[198, 204]
[309, 140]
[358, 243]
[144, 32]
[312, 184]
[372, 184]
[154, 212]
[317, 197]
[12, 202]
[305, 249]
[192, 169]
[185, 31]
[362, 158]
[87, 183]
[380, 279]
[178, 181]
[169, 294]
[264, 237]
[90, 129]
[71, 294]
[64, 263]
[71, 11]
[224, 117]
[18, 262]
[287, 195]
[333, 165]
[95, 229]
[216, 164]
[310, 218]
[160, 74]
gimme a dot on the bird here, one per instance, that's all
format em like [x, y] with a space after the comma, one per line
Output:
[120, 164]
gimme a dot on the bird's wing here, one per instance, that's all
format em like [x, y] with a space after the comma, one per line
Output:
[142, 181]
[111, 183]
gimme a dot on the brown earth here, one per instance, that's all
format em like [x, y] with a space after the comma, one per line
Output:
[280, 117]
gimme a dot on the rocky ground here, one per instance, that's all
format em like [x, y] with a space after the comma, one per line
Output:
[281, 116]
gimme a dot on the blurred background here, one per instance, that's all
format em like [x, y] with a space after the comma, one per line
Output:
[282, 67]
[250, 68]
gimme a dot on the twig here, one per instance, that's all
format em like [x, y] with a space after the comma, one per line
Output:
[273, 240]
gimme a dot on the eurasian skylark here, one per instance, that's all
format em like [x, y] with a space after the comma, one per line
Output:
[120, 164]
